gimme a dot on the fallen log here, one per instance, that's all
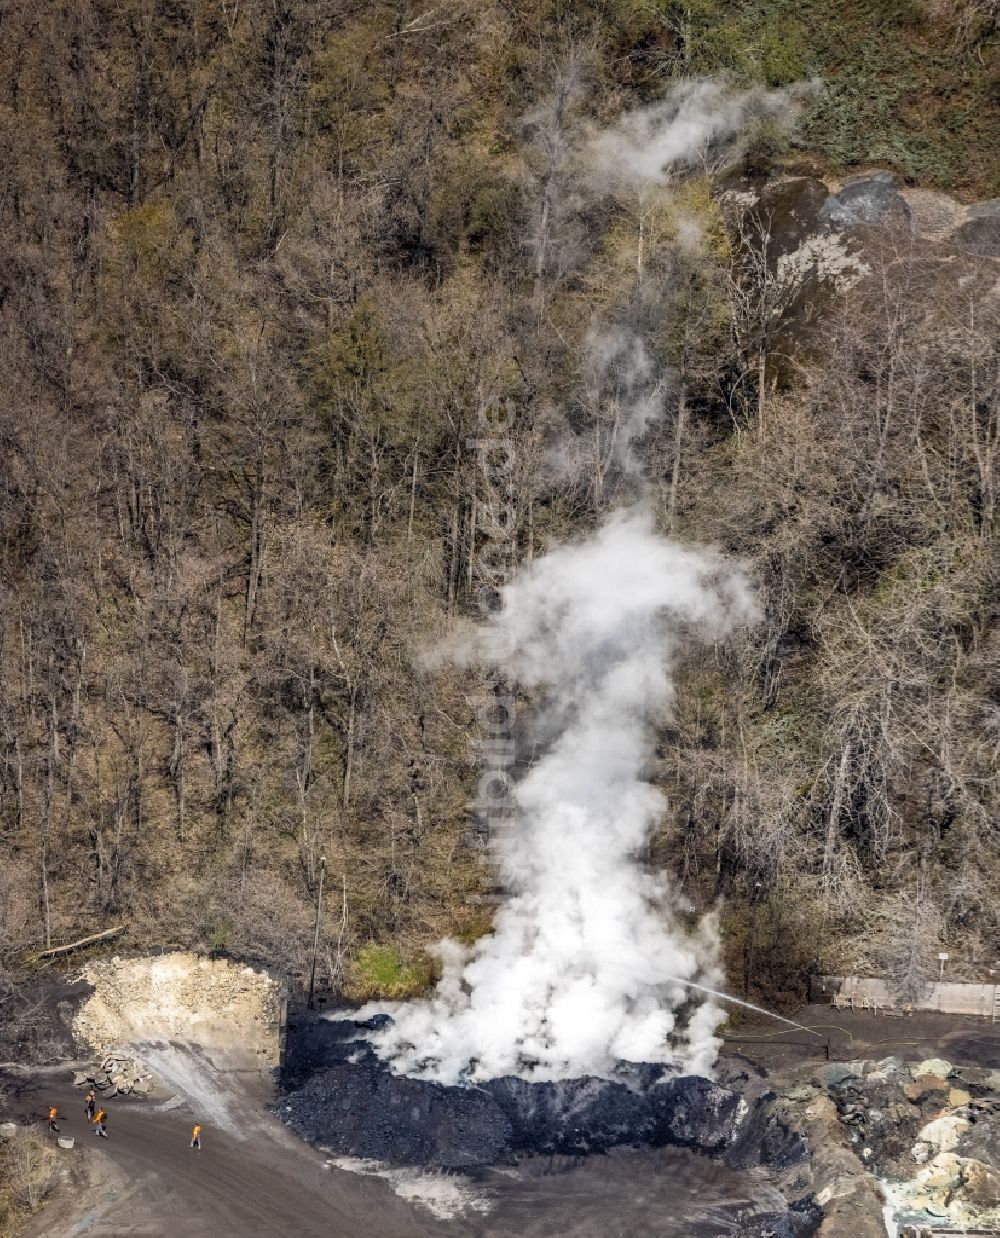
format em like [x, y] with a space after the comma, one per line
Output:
[84, 941]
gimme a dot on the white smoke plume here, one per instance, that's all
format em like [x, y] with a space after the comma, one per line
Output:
[698, 119]
[700, 122]
[588, 963]
[621, 366]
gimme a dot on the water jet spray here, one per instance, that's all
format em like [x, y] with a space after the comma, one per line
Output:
[738, 1001]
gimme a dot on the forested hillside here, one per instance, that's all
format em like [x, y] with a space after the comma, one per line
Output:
[265, 264]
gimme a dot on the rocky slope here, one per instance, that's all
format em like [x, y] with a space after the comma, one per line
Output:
[924, 1135]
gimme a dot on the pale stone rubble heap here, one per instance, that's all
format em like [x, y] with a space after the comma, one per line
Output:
[118, 1074]
[178, 994]
[233, 1012]
[928, 1134]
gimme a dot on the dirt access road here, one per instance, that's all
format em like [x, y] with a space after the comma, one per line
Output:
[146, 1180]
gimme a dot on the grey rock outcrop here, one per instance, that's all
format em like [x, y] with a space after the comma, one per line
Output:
[870, 201]
[980, 234]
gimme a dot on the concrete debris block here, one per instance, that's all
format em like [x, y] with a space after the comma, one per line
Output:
[837, 1073]
[945, 1170]
[932, 1066]
[917, 1089]
[957, 1097]
[893, 1066]
[65, 1141]
[979, 1077]
[7, 1130]
[119, 1074]
[944, 1133]
[841, 1186]
[935, 1185]
[862, 1067]
[800, 1092]
[981, 1184]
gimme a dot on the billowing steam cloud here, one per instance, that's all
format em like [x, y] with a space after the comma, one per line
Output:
[588, 963]
[583, 965]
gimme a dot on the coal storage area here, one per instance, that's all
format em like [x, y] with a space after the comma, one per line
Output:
[340, 1095]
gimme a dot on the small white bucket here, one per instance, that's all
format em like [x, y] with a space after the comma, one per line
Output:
[66, 1141]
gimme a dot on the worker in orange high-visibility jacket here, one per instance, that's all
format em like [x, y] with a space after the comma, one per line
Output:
[101, 1124]
[196, 1136]
[53, 1114]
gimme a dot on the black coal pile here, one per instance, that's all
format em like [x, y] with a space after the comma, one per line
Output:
[342, 1096]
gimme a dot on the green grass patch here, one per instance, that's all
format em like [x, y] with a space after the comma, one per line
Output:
[384, 971]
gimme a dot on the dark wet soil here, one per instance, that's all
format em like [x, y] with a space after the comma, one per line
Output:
[850, 1036]
[669, 1192]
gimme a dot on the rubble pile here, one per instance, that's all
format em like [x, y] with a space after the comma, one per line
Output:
[180, 996]
[194, 1024]
[118, 1074]
[928, 1131]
